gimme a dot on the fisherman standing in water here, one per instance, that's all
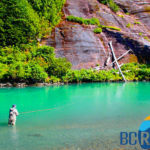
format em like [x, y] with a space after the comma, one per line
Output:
[12, 115]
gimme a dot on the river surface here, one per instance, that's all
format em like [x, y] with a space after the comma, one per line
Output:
[81, 116]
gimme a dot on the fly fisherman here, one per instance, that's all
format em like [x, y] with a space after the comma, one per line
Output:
[12, 115]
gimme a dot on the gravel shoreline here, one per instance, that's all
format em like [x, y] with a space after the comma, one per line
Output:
[8, 84]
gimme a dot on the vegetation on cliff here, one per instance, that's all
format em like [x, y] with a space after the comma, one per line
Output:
[110, 3]
[93, 21]
[97, 30]
[110, 27]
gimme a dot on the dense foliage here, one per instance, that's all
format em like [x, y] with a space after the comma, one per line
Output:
[132, 72]
[90, 75]
[31, 62]
[137, 72]
[22, 21]
[17, 22]
[49, 9]
[93, 21]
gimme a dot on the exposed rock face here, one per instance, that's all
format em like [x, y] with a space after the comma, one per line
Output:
[85, 49]
[78, 44]
[139, 9]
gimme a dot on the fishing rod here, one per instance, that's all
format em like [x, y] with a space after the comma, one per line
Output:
[58, 107]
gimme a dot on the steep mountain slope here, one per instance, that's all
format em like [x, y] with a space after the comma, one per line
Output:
[85, 49]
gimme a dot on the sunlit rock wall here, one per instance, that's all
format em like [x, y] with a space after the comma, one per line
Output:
[85, 49]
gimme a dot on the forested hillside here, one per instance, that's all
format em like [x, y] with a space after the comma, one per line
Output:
[22, 24]
[23, 21]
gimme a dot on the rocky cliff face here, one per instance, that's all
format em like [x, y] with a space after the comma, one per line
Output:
[85, 49]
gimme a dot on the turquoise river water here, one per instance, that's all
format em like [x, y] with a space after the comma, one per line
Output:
[88, 116]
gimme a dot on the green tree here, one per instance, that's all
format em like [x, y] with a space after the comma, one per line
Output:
[31, 62]
[18, 22]
[59, 67]
[49, 9]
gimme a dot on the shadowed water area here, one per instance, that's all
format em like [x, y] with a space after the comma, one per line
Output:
[89, 115]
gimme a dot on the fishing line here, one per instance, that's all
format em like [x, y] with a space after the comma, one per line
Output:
[58, 107]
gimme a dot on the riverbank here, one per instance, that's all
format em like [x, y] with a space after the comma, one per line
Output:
[8, 84]
[131, 71]
[21, 85]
